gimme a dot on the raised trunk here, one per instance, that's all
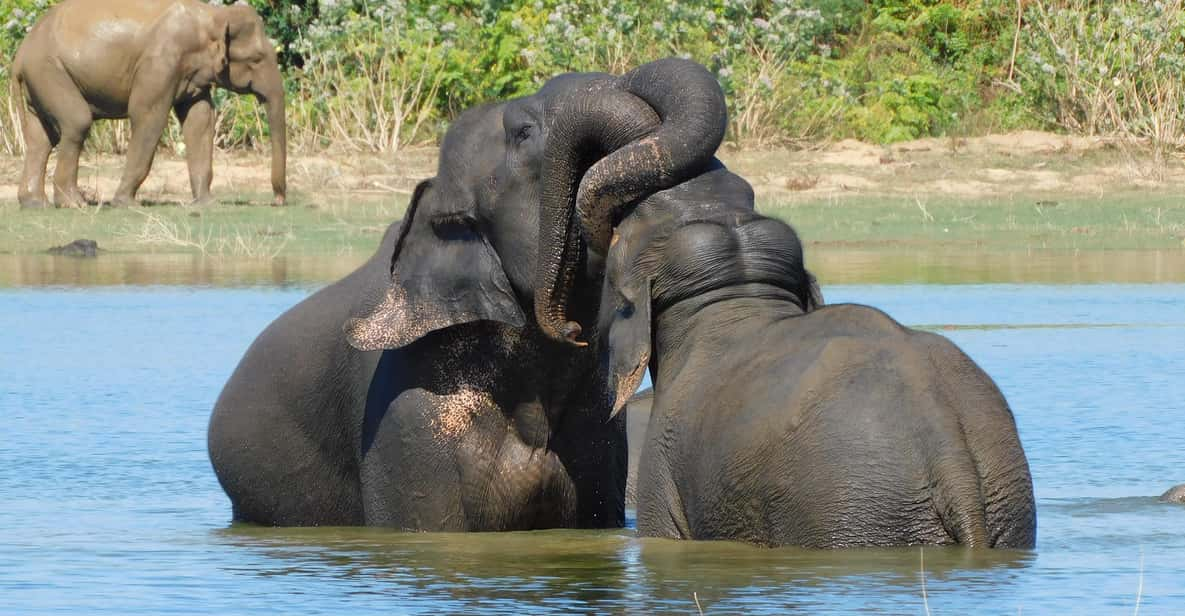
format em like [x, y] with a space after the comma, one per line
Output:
[271, 93]
[612, 144]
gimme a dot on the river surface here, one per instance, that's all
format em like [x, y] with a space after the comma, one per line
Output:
[108, 504]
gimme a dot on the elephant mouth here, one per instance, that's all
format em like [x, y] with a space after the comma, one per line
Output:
[625, 386]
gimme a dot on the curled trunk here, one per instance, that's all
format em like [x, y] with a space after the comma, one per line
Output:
[271, 94]
[611, 144]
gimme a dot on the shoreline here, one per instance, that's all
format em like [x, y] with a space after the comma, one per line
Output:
[1021, 191]
[833, 264]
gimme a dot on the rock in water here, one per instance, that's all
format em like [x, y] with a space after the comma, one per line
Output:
[1175, 494]
[77, 248]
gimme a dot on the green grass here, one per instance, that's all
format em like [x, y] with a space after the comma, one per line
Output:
[238, 227]
[1117, 222]
[243, 227]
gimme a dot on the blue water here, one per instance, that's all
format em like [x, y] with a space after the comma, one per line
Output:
[108, 504]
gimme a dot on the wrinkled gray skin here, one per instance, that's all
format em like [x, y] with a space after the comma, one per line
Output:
[139, 59]
[836, 427]
[779, 422]
[637, 417]
[1175, 494]
[285, 433]
[450, 410]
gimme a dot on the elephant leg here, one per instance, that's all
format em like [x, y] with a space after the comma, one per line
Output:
[40, 139]
[64, 119]
[197, 126]
[65, 177]
[148, 110]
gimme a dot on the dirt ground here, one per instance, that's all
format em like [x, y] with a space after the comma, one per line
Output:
[1023, 163]
[1030, 163]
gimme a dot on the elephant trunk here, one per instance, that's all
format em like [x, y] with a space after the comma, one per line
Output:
[612, 144]
[270, 92]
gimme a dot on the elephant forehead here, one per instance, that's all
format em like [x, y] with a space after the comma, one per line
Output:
[706, 255]
[472, 147]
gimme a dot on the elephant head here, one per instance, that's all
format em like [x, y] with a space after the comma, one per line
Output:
[251, 67]
[616, 142]
[691, 232]
[682, 250]
[445, 270]
[468, 248]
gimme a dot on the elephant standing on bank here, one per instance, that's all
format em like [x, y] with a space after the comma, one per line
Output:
[449, 410]
[139, 59]
[774, 421]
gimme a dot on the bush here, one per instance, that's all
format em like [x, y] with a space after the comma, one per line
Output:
[376, 74]
[1112, 69]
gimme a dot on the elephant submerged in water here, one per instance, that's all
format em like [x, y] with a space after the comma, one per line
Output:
[443, 406]
[775, 420]
[1175, 494]
[139, 59]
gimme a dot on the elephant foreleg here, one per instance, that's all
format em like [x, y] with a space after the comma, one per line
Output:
[197, 126]
[148, 111]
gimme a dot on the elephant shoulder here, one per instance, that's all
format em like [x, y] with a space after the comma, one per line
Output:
[355, 293]
[854, 320]
[180, 27]
[825, 349]
[310, 332]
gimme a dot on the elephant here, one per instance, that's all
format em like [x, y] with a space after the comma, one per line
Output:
[776, 420]
[139, 59]
[419, 393]
[1175, 494]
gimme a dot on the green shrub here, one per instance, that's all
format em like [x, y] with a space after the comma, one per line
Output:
[376, 74]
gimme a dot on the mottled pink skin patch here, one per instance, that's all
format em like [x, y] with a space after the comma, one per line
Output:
[455, 413]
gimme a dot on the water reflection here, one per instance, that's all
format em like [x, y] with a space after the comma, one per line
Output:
[606, 570]
[833, 265]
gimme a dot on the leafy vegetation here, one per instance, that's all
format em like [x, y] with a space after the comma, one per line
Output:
[373, 75]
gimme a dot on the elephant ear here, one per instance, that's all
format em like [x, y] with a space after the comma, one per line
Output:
[628, 339]
[443, 273]
[240, 25]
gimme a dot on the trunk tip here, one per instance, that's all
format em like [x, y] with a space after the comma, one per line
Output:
[571, 332]
[568, 332]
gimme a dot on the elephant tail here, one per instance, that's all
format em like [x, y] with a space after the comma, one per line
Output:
[16, 105]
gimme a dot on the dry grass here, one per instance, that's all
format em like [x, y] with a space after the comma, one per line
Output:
[1133, 99]
[802, 181]
[377, 104]
[157, 231]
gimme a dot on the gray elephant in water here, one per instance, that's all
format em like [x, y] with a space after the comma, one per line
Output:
[443, 406]
[139, 59]
[637, 417]
[1175, 494]
[774, 421]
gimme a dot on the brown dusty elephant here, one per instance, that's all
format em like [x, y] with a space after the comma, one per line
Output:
[139, 59]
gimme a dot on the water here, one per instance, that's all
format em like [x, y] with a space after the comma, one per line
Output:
[836, 265]
[108, 504]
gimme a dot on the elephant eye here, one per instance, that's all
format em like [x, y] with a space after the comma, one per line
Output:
[627, 310]
[523, 134]
[451, 223]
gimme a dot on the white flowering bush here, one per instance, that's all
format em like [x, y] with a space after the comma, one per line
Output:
[1113, 68]
[372, 75]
